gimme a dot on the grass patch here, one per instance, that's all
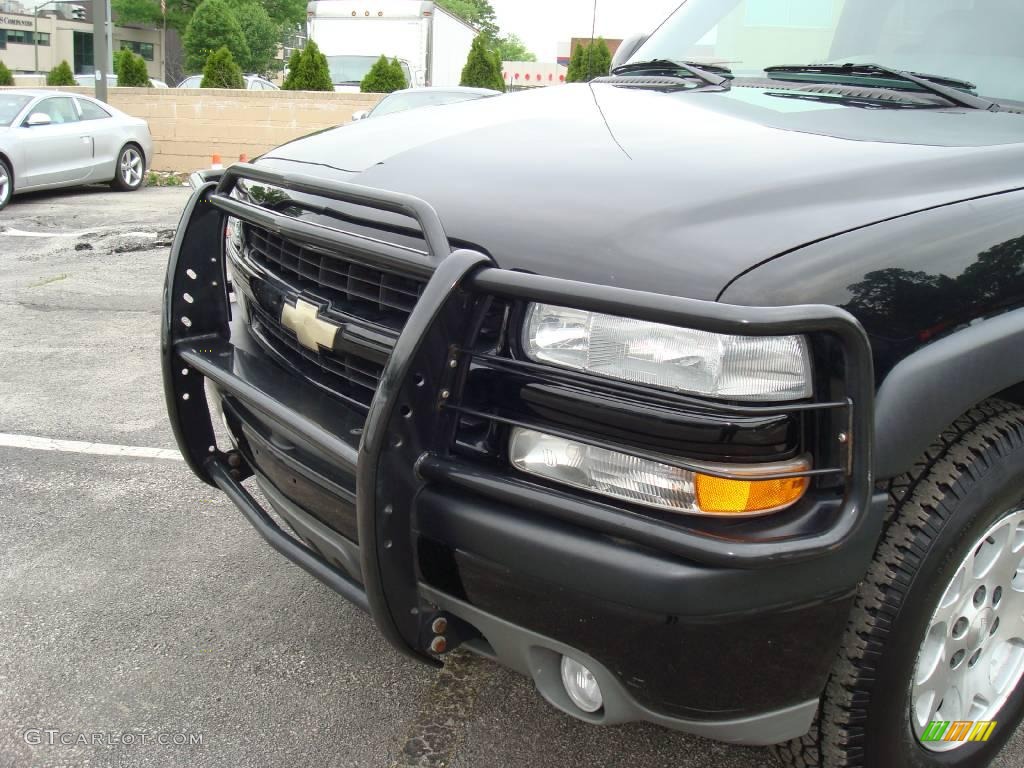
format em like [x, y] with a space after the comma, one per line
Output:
[166, 179]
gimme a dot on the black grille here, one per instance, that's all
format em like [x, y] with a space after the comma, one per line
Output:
[351, 289]
[345, 375]
[372, 294]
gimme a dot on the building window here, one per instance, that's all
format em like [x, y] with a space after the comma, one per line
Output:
[83, 53]
[3, 39]
[25, 38]
[145, 50]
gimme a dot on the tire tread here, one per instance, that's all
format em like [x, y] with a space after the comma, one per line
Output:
[920, 503]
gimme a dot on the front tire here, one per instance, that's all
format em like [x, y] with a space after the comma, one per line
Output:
[937, 631]
[6, 184]
[130, 170]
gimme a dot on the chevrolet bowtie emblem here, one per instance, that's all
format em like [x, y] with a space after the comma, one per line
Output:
[304, 319]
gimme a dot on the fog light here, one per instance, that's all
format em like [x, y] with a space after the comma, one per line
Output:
[581, 685]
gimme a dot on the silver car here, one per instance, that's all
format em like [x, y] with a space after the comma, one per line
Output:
[252, 83]
[52, 139]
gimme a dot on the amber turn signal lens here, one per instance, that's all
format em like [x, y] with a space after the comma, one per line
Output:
[722, 496]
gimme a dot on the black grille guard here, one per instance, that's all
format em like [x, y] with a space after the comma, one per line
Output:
[413, 403]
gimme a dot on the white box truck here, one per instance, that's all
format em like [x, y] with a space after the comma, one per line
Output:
[431, 44]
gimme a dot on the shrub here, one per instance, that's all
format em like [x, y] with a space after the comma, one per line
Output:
[118, 55]
[482, 70]
[131, 70]
[308, 70]
[213, 26]
[6, 78]
[292, 67]
[600, 62]
[61, 75]
[384, 77]
[221, 71]
[589, 61]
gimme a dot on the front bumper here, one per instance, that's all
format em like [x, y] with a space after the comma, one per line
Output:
[719, 635]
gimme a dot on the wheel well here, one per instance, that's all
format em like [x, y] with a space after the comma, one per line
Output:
[10, 168]
[1014, 394]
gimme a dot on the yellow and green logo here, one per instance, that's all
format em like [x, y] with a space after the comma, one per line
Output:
[959, 730]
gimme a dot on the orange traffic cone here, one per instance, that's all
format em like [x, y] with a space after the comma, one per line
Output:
[243, 158]
[215, 163]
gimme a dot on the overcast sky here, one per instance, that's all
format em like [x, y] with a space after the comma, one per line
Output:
[543, 24]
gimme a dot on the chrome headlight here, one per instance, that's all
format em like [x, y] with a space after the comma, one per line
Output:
[752, 368]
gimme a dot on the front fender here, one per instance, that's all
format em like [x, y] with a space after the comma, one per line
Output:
[941, 296]
[928, 390]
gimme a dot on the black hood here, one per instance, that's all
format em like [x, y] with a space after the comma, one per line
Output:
[669, 192]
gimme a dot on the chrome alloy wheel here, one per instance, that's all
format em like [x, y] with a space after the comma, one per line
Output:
[972, 657]
[131, 167]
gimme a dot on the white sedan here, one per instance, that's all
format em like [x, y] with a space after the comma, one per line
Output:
[51, 139]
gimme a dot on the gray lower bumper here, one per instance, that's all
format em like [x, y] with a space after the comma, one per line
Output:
[539, 658]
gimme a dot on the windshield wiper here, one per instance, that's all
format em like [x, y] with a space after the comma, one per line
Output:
[946, 87]
[692, 70]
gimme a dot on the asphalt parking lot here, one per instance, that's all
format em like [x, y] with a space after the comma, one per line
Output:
[136, 601]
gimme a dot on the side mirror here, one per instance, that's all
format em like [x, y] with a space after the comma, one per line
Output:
[360, 115]
[629, 46]
[38, 118]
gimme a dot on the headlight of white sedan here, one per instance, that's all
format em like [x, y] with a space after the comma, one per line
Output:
[748, 368]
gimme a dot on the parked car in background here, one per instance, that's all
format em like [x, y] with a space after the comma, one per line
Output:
[54, 139]
[90, 80]
[414, 98]
[252, 83]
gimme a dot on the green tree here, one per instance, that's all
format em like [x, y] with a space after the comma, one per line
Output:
[479, 13]
[589, 61]
[599, 62]
[61, 75]
[221, 71]
[578, 64]
[482, 70]
[131, 70]
[6, 78]
[384, 77]
[511, 48]
[147, 12]
[283, 13]
[286, 13]
[213, 26]
[308, 70]
[261, 34]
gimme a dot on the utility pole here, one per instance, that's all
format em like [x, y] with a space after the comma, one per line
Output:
[100, 51]
[35, 30]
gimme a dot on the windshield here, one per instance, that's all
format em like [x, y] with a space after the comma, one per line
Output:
[400, 102]
[10, 106]
[974, 40]
[350, 70]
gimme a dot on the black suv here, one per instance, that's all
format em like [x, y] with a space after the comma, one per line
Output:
[694, 393]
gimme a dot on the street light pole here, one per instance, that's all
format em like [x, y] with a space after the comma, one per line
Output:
[35, 31]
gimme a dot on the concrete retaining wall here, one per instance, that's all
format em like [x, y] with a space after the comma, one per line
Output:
[189, 125]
